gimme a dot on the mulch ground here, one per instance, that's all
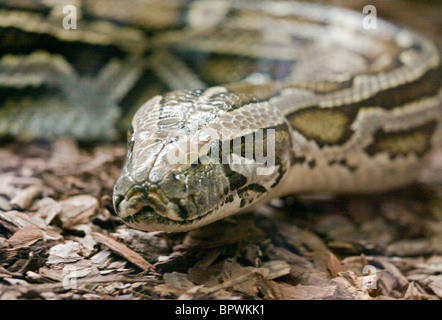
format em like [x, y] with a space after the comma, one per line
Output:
[60, 240]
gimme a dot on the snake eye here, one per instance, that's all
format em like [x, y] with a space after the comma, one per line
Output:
[130, 132]
[130, 139]
[130, 144]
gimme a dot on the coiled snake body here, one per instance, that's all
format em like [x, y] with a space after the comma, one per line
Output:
[314, 103]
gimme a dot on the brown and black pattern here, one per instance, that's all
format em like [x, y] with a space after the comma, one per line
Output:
[426, 86]
[326, 126]
[404, 142]
[332, 126]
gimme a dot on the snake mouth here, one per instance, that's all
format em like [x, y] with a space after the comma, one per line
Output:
[136, 201]
[149, 220]
[151, 207]
[147, 209]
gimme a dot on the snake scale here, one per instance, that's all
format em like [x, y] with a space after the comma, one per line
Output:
[264, 99]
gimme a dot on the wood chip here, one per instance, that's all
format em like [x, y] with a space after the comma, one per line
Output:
[123, 251]
[410, 248]
[302, 292]
[26, 236]
[177, 279]
[333, 265]
[435, 284]
[64, 253]
[20, 220]
[77, 210]
[55, 182]
[149, 244]
[415, 292]
[277, 269]
[48, 209]
[24, 198]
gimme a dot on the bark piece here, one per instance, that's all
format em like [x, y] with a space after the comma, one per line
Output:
[64, 253]
[435, 284]
[18, 220]
[48, 209]
[410, 248]
[77, 210]
[277, 269]
[303, 292]
[177, 279]
[26, 236]
[149, 244]
[123, 251]
[24, 198]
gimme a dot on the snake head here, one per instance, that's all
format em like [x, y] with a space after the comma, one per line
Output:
[196, 156]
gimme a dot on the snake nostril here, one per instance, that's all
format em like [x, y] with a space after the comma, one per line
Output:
[117, 201]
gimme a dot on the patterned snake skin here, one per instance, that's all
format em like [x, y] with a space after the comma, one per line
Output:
[270, 98]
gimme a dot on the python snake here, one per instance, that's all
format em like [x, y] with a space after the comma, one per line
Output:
[269, 98]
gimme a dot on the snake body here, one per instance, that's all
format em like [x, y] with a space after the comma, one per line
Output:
[287, 98]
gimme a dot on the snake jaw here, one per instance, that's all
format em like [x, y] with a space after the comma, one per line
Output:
[148, 200]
